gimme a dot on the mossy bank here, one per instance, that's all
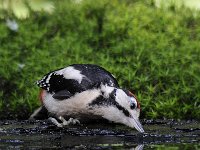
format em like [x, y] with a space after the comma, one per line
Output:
[153, 52]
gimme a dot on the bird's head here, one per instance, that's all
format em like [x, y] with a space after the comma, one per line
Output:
[134, 109]
[123, 108]
[133, 101]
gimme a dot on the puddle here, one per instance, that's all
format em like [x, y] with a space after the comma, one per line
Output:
[159, 134]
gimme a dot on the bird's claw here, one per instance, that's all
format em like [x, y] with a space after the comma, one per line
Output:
[71, 121]
[64, 122]
[55, 122]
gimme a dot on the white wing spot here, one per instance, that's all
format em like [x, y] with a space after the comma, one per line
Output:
[48, 78]
[71, 73]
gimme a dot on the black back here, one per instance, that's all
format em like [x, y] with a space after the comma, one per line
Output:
[94, 76]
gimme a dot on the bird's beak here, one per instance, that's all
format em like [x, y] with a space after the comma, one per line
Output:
[136, 123]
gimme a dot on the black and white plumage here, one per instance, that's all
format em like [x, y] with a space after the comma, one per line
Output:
[88, 91]
[65, 82]
[76, 78]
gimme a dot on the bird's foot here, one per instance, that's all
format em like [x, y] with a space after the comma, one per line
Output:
[64, 122]
[55, 122]
[70, 121]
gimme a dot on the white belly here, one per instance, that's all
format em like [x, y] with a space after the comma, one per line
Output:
[73, 106]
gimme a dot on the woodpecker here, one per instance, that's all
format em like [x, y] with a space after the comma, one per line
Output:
[72, 79]
[87, 91]
[114, 104]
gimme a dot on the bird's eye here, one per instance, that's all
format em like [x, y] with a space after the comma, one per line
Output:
[133, 103]
[132, 106]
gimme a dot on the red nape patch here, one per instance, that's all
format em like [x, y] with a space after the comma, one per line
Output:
[138, 104]
[41, 95]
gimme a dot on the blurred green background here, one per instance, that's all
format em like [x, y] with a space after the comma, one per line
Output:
[152, 47]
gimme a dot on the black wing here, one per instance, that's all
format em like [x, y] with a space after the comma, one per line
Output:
[96, 74]
[61, 95]
[93, 75]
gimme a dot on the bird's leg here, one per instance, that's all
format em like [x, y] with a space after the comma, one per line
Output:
[70, 121]
[55, 122]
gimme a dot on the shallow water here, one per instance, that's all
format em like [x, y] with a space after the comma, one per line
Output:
[159, 134]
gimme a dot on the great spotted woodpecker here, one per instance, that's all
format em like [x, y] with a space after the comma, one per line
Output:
[87, 91]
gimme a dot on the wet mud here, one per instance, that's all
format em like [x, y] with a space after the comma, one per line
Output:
[159, 134]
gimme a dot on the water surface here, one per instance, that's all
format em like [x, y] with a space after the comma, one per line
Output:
[159, 134]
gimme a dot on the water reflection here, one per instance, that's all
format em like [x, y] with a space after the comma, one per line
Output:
[139, 147]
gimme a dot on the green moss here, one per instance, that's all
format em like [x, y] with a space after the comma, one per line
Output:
[153, 52]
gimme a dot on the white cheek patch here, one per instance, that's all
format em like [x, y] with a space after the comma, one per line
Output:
[71, 73]
[122, 98]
